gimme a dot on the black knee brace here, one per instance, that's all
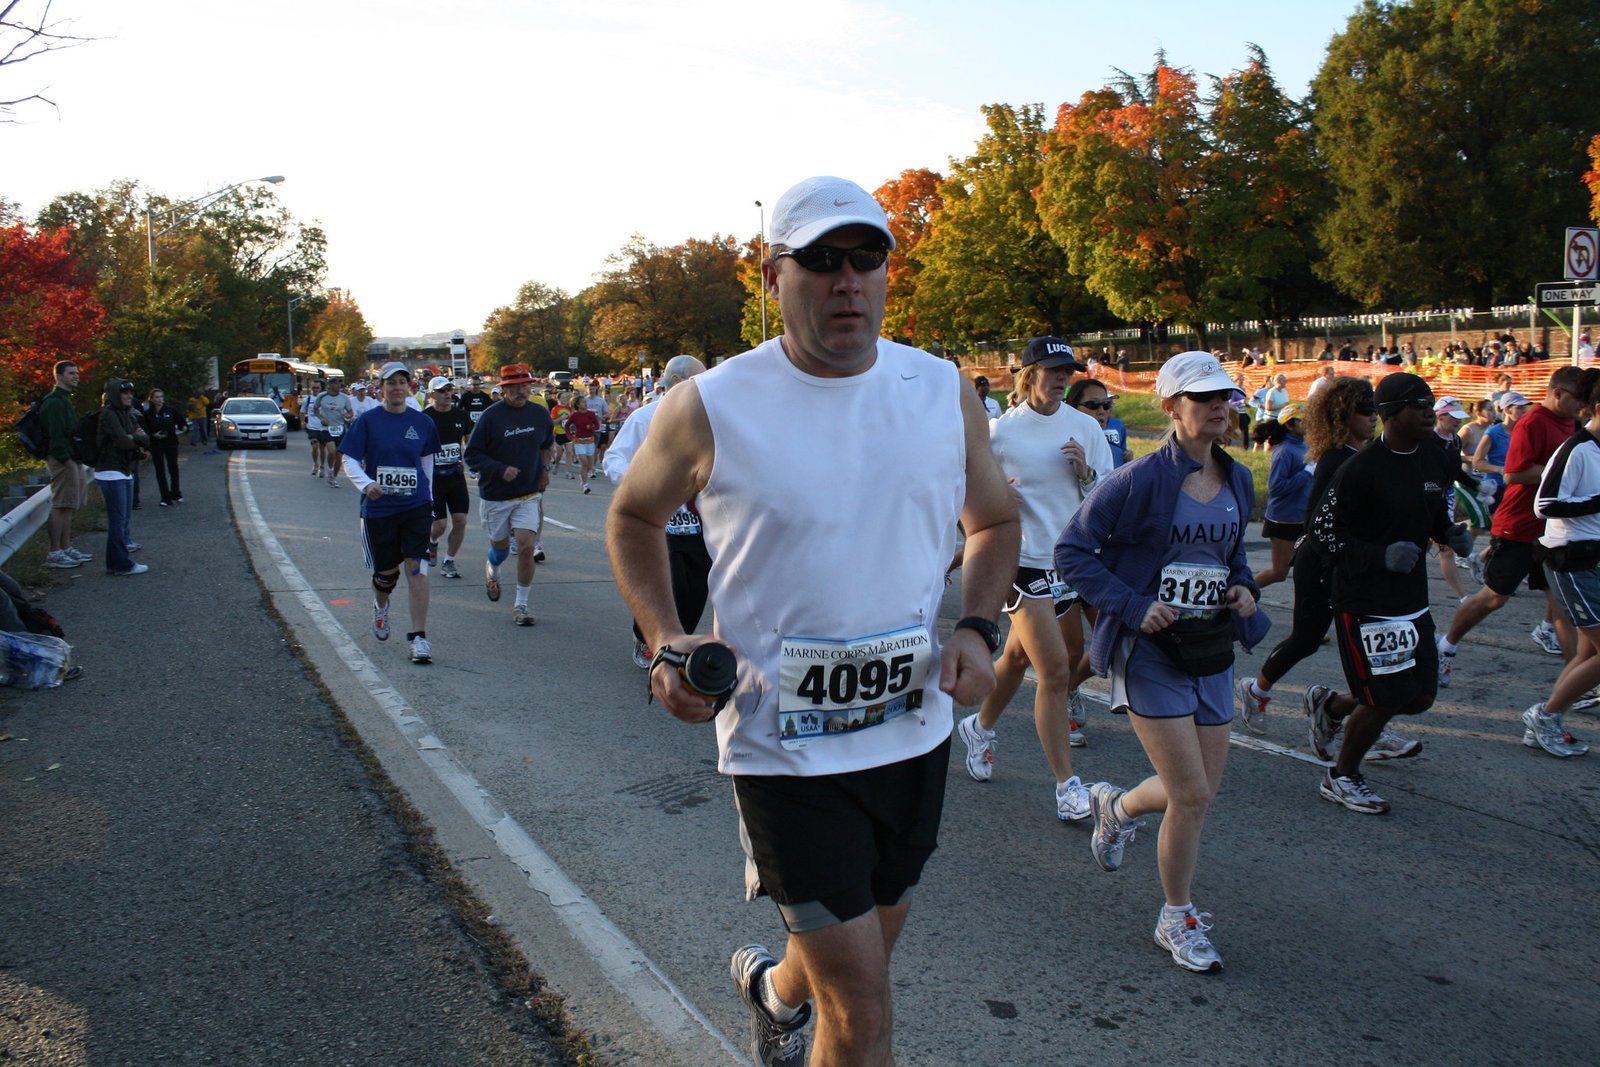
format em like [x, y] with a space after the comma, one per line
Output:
[385, 583]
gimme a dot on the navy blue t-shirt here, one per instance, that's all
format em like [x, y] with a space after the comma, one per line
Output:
[390, 449]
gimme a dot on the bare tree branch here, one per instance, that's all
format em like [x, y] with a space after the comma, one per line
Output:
[27, 31]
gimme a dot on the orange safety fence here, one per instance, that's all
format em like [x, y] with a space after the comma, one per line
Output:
[1463, 381]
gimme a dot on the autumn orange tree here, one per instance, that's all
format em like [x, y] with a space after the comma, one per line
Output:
[910, 202]
[340, 335]
[1592, 178]
[987, 267]
[666, 301]
[1178, 208]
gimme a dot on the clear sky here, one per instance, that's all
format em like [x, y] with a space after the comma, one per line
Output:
[454, 151]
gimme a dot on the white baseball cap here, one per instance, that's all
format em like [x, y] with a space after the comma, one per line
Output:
[819, 205]
[389, 370]
[1449, 405]
[439, 383]
[1194, 372]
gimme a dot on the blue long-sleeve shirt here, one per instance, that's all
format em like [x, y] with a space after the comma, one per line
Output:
[1288, 481]
[1111, 550]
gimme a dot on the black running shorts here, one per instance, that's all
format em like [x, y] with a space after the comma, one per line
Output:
[450, 496]
[1032, 583]
[1507, 563]
[1370, 649]
[1282, 531]
[389, 539]
[833, 847]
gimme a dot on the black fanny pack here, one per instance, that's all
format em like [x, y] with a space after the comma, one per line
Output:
[1198, 647]
[1574, 556]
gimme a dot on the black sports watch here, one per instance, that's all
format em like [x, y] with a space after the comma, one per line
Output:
[985, 628]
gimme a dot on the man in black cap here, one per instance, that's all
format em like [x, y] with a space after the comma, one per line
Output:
[1373, 527]
[990, 405]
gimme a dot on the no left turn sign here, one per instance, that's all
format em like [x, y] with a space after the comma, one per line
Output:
[1582, 254]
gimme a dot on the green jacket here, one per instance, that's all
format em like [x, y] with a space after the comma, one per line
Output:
[56, 412]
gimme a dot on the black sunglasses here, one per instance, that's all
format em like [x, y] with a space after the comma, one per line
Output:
[825, 259]
[1211, 397]
[1097, 405]
[1365, 409]
[1400, 405]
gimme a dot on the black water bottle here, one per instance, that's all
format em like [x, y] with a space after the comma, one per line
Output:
[711, 671]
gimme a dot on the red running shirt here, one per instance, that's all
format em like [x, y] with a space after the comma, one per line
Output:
[1534, 439]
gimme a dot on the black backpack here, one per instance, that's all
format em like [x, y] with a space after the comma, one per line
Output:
[86, 439]
[30, 431]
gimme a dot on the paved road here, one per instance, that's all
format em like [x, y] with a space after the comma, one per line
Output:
[193, 867]
[1452, 930]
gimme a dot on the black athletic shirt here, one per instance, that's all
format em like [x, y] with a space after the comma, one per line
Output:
[1379, 497]
[454, 428]
[474, 404]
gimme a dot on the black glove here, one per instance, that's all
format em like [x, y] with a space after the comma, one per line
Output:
[1460, 540]
[1401, 557]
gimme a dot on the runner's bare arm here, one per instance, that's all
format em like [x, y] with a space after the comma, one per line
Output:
[671, 466]
[994, 535]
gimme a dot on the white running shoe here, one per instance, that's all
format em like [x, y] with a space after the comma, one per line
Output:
[420, 652]
[1447, 663]
[1544, 635]
[1588, 702]
[380, 621]
[81, 557]
[1110, 834]
[538, 551]
[1252, 709]
[980, 747]
[1353, 793]
[520, 615]
[1184, 935]
[1072, 800]
[1392, 744]
[642, 655]
[1550, 733]
[59, 560]
[1325, 729]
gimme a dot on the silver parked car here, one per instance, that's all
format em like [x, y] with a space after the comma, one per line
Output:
[251, 420]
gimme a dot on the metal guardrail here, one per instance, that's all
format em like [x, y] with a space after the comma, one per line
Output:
[23, 521]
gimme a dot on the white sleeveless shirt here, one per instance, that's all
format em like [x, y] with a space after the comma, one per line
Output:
[830, 517]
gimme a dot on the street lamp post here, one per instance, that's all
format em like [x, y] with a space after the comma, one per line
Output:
[198, 203]
[761, 246]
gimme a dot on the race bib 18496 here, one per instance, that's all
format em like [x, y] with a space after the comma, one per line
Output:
[827, 687]
[1193, 589]
[1390, 645]
[397, 481]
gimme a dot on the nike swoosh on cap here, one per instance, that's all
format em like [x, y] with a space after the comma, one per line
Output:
[842, 203]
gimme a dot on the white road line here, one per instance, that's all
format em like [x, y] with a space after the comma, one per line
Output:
[633, 973]
[564, 526]
[1255, 744]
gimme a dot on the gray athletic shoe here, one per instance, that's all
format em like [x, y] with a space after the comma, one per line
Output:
[420, 651]
[1110, 835]
[1077, 715]
[772, 1044]
[1325, 728]
[521, 616]
[641, 655]
[1550, 733]
[1544, 635]
[980, 747]
[449, 570]
[1393, 745]
[1185, 937]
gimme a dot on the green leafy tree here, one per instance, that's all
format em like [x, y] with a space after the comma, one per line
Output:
[535, 329]
[987, 267]
[1454, 135]
[655, 302]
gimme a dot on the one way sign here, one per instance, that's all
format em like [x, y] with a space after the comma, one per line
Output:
[1566, 295]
